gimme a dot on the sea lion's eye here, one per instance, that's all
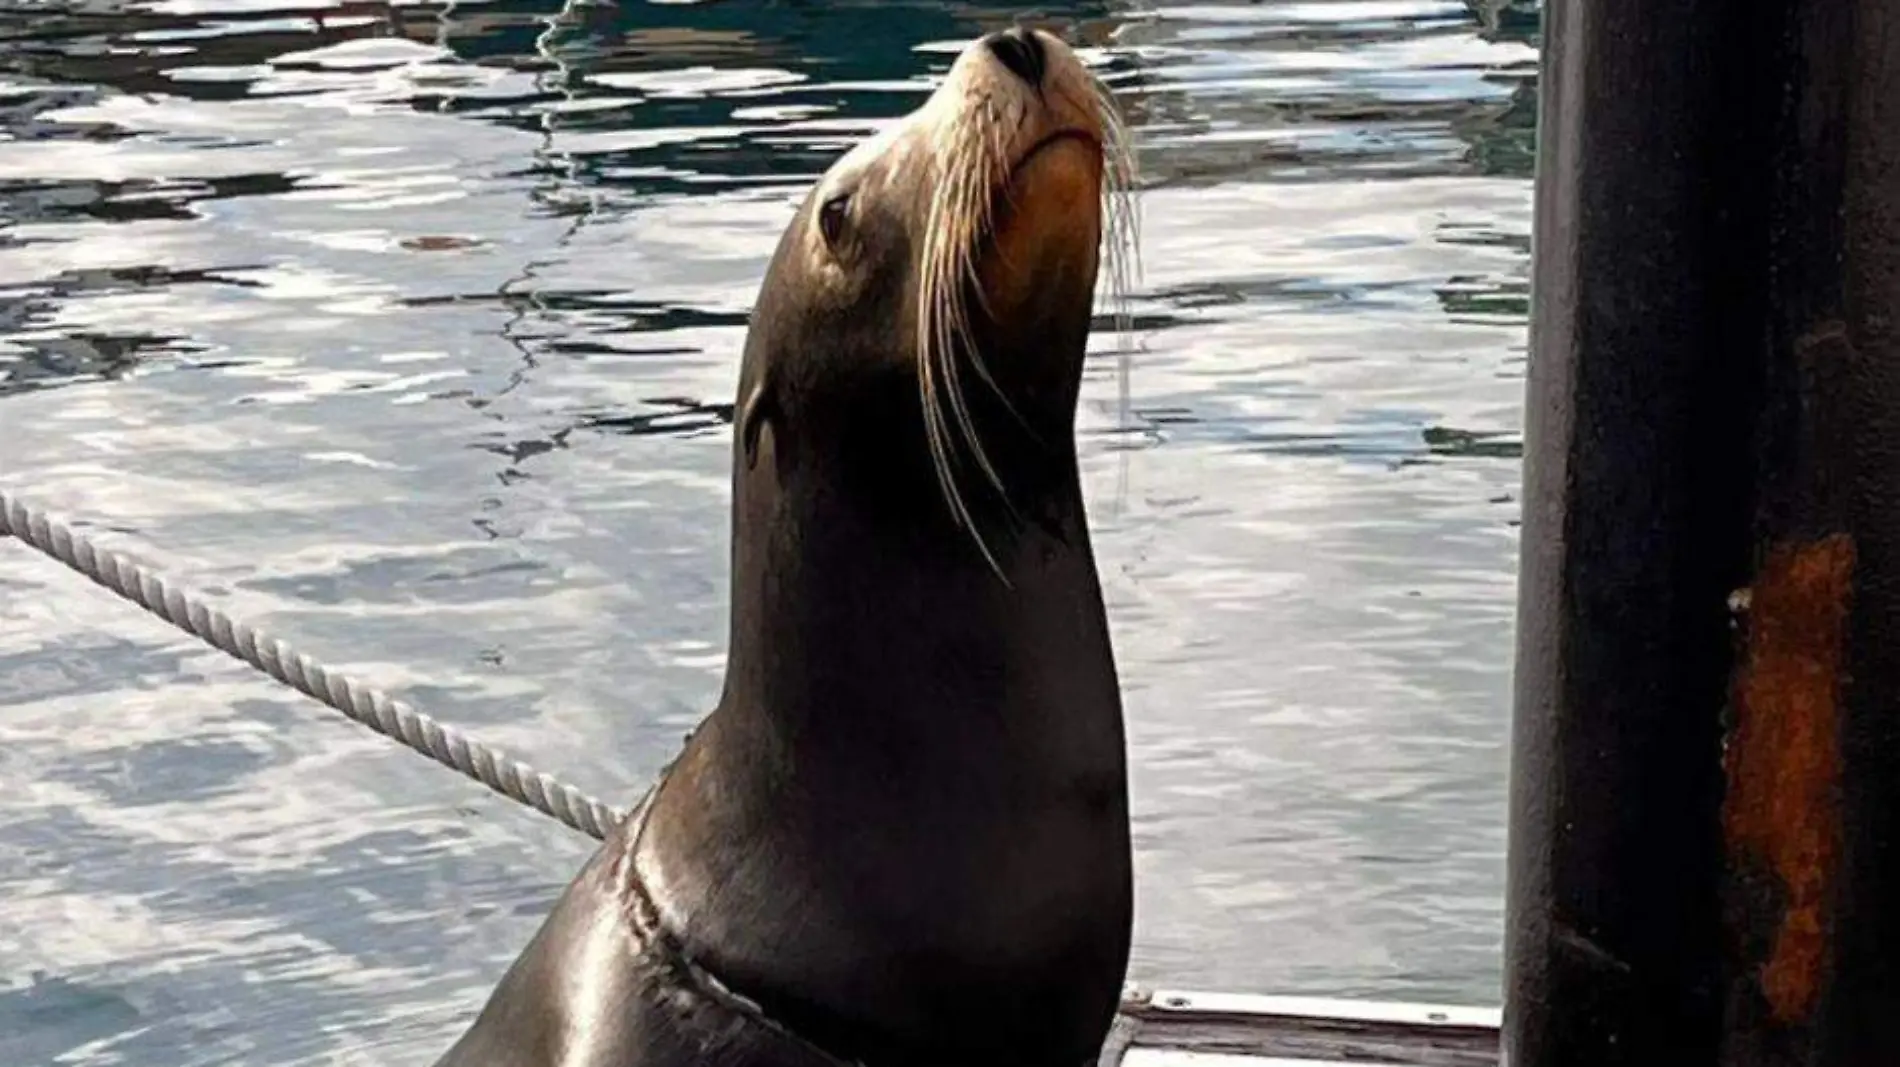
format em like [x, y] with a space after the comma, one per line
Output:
[831, 218]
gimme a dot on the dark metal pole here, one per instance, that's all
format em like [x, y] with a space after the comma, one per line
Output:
[1705, 838]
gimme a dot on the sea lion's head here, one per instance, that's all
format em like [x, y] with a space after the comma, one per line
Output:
[927, 308]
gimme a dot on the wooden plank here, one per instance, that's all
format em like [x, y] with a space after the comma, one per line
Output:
[1305, 1030]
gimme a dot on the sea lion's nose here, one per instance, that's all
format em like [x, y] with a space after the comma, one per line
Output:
[1021, 52]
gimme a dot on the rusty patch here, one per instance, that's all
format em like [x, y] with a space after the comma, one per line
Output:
[1781, 812]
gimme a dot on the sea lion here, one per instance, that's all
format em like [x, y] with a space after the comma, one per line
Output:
[901, 838]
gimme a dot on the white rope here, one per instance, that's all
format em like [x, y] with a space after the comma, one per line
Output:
[367, 705]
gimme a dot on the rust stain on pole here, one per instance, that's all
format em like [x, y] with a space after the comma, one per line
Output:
[1781, 814]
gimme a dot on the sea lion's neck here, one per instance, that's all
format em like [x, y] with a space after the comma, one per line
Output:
[912, 796]
[861, 605]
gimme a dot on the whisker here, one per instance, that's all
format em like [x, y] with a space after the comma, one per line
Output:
[956, 337]
[962, 205]
[993, 173]
[980, 176]
[940, 321]
[945, 324]
[1121, 210]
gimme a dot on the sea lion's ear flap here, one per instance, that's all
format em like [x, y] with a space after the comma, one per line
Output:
[761, 403]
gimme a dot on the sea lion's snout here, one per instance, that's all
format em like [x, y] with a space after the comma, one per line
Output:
[1043, 108]
[1022, 52]
[1029, 82]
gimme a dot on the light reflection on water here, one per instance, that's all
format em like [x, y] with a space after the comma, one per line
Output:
[410, 331]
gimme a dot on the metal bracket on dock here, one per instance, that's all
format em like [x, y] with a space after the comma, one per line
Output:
[1311, 1029]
